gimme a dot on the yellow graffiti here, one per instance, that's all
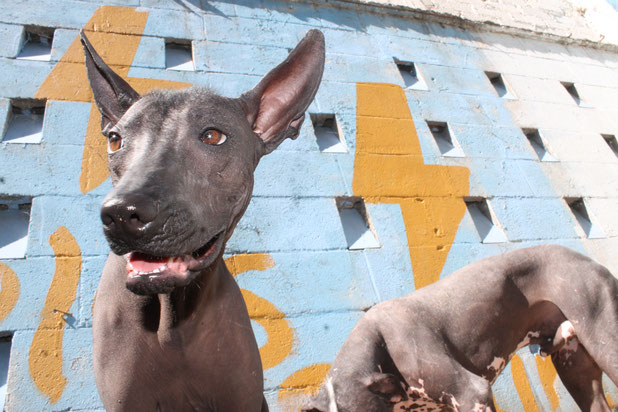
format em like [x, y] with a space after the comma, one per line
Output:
[45, 357]
[115, 32]
[280, 334]
[547, 374]
[522, 385]
[389, 168]
[9, 290]
[242, 263]
[303, 382]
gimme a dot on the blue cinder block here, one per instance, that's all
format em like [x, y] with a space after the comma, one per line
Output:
[49, 13]
[92, 268]
[534, 218]
[311, 282]
[35, 275]
[318, 339]
[243, 58]
[150, 53]
[80, 215]
[62, 40]
[174, 24]
[266, 225]
[294, 174]
[10, 39]
[251, 31]
[22, 78]
[65, 124]
[389, 265]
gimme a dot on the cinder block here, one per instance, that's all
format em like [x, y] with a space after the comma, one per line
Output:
[311, 282]
[194, 78]
[92, 268]
[35, 275]
[65, 123]
[195, 6]
[80, 215]
[444, 79]
[339, 19]
[10, 39]
[26, 170]
[389, 266]
[175, 24]
[603, 211]
[501, 177]
[318, 340]
[49, 13]
[533, 172]
[336, 97]
[590, 180]
[252, 31]
[602, 97]
[580, 146]
[80, 390]
[593, 74]
[486, 141]
[462, 254]
[541, 90]
[286, 12]
[15, 81]
[534, 218]
[267, 223]
[293, 174]
[151, 53]
[352, 69]
[62, 40]
[237, 58]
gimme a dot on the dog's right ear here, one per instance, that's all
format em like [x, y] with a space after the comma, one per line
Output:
[112, 93]
[275, 108]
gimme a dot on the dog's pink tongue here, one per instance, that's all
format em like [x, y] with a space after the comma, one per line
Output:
[144, 263]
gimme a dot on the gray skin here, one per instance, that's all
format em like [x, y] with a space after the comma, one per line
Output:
[447, 335]
[181, 339]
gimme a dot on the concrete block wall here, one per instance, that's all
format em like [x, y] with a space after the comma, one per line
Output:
[304, 287]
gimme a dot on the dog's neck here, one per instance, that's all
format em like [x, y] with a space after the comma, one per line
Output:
[201, 295]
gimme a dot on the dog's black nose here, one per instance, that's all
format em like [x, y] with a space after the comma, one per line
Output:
[128, 215]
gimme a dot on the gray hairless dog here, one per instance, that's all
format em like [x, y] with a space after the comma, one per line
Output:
[171, 329]
[441, 347]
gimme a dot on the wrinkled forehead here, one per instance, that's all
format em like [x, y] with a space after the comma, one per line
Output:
[191, 106]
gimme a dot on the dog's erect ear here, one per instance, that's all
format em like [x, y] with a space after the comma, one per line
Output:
[112, 94]
[275, 108]
[387, 386]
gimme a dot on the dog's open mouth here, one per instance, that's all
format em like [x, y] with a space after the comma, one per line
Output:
[159, 274]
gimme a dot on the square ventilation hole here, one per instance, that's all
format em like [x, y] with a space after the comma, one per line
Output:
[25, 121]
[579, 210]
[178, 55]
[484, 220]
[500, 85]
[411, 75]
[536, 141]
[570, 87]
[610, 139]
[36, 43]
[5, 354]
[446, 142]
[357, 226]
[327, 133]
[14, 221]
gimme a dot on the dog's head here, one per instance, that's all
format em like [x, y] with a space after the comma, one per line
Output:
[182, 162]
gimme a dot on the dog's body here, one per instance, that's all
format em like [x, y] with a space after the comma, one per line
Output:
[444, 345]
[171, 329]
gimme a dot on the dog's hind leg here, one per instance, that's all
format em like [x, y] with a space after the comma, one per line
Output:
[264, 405]
[581, 376]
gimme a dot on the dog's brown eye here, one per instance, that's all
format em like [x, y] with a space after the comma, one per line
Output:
[213, 136]
[114, 142]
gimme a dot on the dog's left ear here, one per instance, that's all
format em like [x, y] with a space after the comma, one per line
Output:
[112, 94]
[387, 386]
[275, 108]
